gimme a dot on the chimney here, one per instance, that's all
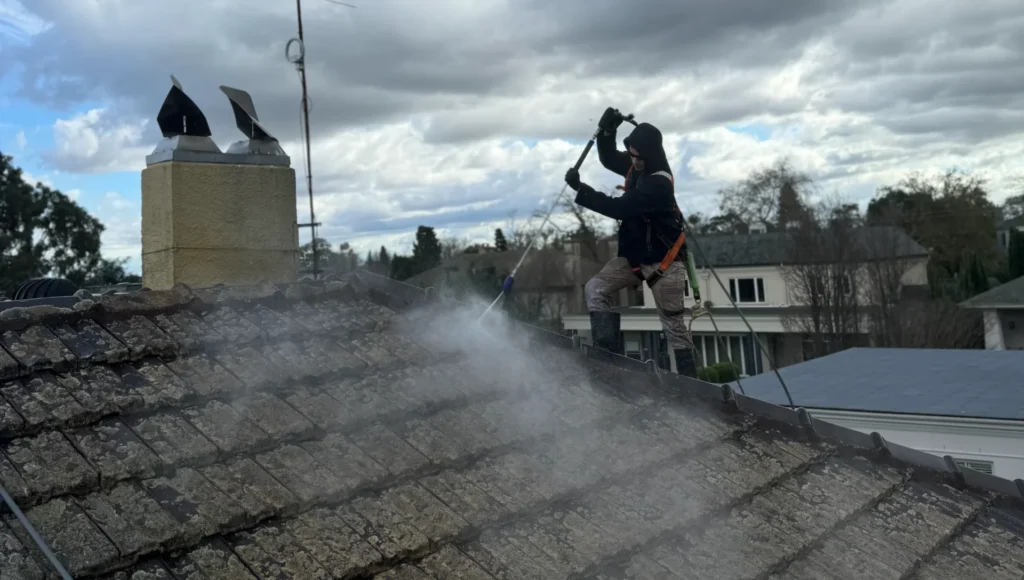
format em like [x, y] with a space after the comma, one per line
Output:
[212, 217]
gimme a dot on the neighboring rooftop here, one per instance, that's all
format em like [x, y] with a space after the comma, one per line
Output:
[328, 431]
[1008, 295]
[918, 381]
[776, 248]
[542, 269]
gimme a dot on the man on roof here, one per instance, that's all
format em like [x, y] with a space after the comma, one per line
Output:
[650, 230]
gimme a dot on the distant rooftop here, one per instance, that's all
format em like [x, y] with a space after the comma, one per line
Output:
[774, 248]
[1009, 295]
[917, 381]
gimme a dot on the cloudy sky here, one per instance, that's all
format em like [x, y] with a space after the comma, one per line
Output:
[454, 113]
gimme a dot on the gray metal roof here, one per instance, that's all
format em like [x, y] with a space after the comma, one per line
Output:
[777, 247]
[770, 249]
[956, 383]
[1010, 294]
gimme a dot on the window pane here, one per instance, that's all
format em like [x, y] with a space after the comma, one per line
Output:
[734, 351]
[746, 290]
[710, 344]
[750, 355]
[732, 290]
[760, 290]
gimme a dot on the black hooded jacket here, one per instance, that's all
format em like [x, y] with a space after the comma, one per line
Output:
[649, 222]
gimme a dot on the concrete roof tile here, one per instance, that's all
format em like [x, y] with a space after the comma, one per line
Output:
[38, 348]
[247, 435]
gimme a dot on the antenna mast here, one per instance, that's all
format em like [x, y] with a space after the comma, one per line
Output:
[300, 64]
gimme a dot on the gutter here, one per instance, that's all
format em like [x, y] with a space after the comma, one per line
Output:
[940, 423]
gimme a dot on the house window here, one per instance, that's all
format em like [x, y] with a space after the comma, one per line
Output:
[975, 464]
[742, 350]
[632, 345]
[747, 290]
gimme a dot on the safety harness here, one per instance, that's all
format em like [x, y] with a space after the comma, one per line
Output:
[674, 248]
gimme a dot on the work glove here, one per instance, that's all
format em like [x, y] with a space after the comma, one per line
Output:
[610, 120]
[572, 177]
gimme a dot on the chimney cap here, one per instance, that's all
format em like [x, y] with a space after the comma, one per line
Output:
[259, 141]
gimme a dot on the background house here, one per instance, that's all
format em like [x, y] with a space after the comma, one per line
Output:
[1003, 310]
[1005, 230]
[967, 403]
[548, 285]
[787, 287]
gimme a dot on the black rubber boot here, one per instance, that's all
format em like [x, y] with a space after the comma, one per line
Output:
[604, 328]
[686, 365]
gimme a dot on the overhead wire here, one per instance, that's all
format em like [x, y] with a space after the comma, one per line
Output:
[707, 264]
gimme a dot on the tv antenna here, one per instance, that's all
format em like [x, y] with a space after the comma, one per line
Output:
[299, 60]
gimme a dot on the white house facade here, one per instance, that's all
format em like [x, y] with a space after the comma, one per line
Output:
[1003, 311]
[987, 445]
[751, 268]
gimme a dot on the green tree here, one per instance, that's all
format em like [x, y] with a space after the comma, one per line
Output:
[500, 243]
[426, 250]
[327, 258]
[775, 196]
[111, 272]
[1013, 207]
[951, 216]
[402, 267]
[1015, 255]
[45, 233]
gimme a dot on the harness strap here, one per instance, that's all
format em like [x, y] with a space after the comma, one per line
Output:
[674, 248]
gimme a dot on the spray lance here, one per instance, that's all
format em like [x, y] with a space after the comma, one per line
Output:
[506, 286]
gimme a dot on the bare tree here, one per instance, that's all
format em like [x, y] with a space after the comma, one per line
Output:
[867, 285]
[825, 278]
[775, 196]
[899, 318]
[452, 246]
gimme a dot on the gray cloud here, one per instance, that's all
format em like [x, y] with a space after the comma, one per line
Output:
[942, 81]
[388, 59]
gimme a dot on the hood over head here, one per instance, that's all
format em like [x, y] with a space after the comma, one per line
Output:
[646, 139]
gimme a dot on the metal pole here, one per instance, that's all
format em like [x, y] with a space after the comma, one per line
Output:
[54, 561]
[309, 159]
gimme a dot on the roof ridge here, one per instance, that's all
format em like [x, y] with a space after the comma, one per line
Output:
[146, 302]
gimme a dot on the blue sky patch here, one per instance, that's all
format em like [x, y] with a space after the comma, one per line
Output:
[755, 130]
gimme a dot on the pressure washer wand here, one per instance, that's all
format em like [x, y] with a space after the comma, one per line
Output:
[506, 286]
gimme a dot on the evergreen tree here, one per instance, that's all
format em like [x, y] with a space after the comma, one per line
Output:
[1015, 254]
[426, 250]
[45, 233]
[500, 243]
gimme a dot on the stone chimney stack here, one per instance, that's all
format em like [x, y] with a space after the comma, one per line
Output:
[212, 217]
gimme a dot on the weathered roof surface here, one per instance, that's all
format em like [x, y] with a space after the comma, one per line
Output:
[919, 381]
[1008, 295]
[317, 433]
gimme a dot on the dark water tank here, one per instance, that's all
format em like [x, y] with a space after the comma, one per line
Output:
[45, 288]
